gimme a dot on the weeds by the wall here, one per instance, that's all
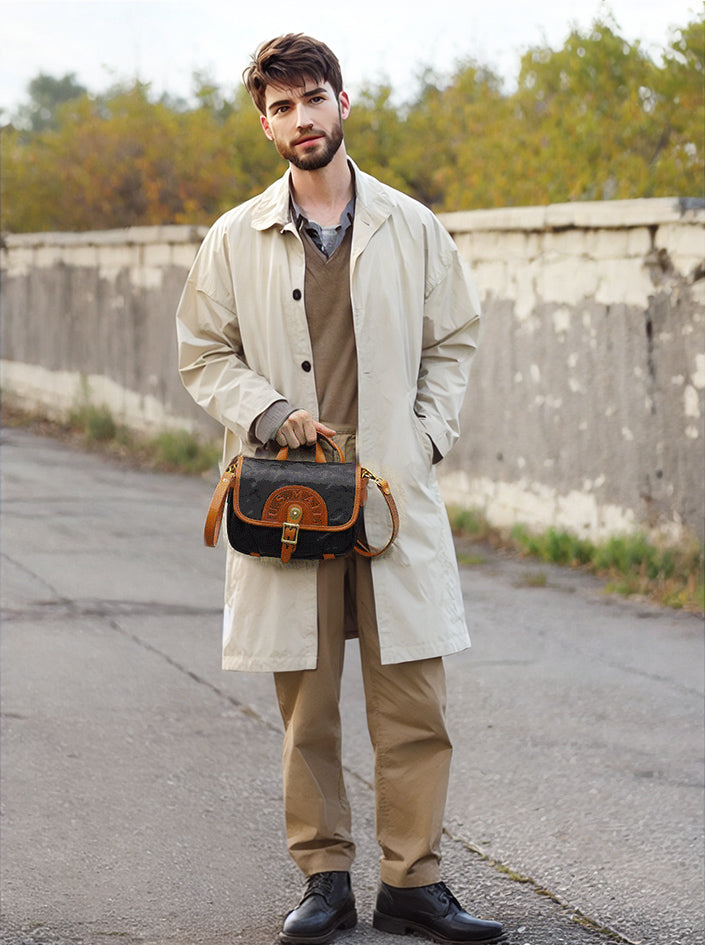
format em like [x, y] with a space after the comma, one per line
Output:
[96, 423]
[630, 564]
[94, 428]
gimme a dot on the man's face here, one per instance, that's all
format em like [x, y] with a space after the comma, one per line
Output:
[305, 122]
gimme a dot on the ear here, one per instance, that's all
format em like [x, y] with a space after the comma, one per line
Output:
[344, 103]
[265, 127]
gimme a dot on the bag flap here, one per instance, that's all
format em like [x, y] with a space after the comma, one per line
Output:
[329, 495]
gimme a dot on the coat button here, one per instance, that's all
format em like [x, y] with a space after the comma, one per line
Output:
[297, 294]
[306, 366]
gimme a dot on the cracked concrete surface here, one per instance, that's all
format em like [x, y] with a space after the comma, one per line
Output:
[141, 794]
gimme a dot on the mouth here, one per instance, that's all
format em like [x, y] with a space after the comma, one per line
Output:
[309, 139]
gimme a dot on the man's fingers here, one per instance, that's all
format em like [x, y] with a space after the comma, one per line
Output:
[309, 431]
[292, 438]
[287, 436]
[300, 429]
[322, 428]
[294, 434]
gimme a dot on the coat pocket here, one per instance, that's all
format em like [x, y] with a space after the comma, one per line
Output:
[424, 441]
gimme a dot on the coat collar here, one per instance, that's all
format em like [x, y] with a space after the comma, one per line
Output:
[372, 204]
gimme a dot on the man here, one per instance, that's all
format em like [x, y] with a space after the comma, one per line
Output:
[333, 304]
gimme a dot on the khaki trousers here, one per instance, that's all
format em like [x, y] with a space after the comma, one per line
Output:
[405, 705]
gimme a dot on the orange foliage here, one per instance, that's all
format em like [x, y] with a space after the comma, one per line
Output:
[597, 119]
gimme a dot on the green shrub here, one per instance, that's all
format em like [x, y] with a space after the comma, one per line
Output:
[554, 545]
[96, 423]
[467, 522]
[631, 564]
[180, 450]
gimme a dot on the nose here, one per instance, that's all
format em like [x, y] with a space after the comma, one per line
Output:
[302, 119]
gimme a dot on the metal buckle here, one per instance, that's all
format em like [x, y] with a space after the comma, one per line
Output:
[366, 474]
[290, 528]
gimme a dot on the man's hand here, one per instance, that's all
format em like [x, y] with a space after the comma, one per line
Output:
[300, 429]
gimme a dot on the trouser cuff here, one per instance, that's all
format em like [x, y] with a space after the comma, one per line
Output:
[420, 874]
[323, 861]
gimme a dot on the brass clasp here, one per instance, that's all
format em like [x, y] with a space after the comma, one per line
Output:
[290, 528]
[381, 483]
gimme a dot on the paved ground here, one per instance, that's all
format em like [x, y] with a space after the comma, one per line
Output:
[140, 784]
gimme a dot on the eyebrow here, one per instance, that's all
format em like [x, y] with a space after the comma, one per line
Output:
[307, 93]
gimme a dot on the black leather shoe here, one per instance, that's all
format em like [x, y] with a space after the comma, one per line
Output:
[432, 911]
[327, 905]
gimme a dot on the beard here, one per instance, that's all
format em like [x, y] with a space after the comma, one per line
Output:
[323, 153]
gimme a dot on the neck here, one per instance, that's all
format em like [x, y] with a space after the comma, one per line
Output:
[324, 193]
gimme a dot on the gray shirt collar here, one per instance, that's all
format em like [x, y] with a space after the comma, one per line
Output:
[326, 238]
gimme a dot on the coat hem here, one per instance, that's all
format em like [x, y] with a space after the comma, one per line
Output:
[241, 664]
[405, 654]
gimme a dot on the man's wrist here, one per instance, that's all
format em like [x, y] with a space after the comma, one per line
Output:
[269, 421]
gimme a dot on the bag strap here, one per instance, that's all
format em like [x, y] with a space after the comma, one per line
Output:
[363, 549]
[214, 517]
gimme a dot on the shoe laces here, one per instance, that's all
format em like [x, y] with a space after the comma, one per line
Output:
[445, 895]
[319, 884]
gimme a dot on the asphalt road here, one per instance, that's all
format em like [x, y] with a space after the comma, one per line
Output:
[141, 798]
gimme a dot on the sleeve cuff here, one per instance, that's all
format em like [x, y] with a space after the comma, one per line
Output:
[268, 422]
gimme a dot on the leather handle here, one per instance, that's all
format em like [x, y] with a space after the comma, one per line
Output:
[320, 455]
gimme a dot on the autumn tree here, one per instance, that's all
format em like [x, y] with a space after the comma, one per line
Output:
[456, 141]
[596, 119]
[595, 116]
[46, 94]
[677, 107]
[376, 136]
[124, 160]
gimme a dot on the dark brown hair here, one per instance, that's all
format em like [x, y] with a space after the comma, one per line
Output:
[288, 61]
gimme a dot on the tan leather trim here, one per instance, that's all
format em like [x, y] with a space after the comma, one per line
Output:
[214, 516]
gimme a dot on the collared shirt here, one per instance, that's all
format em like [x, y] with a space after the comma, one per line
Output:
[326, 238]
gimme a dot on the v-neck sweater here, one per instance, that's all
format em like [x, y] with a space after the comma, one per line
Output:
[332, 332]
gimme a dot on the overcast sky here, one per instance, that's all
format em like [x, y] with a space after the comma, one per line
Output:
[165, 41]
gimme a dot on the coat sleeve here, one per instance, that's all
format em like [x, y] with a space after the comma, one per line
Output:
[212, 361]
[450, 335]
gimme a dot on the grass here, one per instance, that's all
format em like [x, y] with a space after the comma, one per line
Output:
[534, 579]
[96, 423]
[631, 565]
[95, 429]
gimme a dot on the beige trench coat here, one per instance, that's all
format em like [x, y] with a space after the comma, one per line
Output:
[243, 338]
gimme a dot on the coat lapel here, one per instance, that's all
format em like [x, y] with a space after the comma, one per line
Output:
[272, 207]
[372, 208]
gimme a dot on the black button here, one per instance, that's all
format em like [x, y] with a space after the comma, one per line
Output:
[297, 294]
[306, 366]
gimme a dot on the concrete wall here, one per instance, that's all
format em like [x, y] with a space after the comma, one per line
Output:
[586, 408]
[587, 400]
[96, 310]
